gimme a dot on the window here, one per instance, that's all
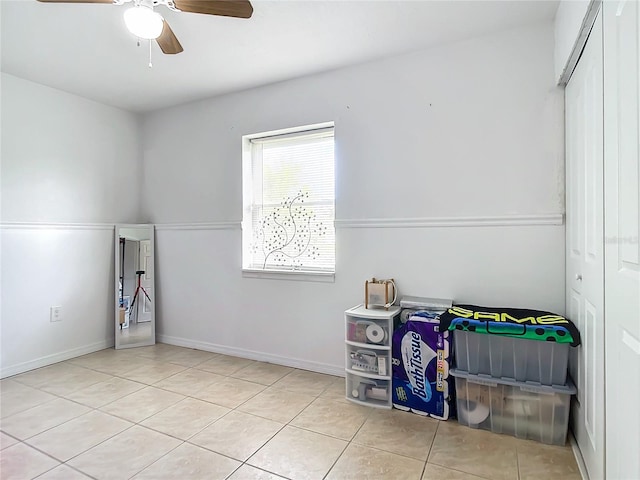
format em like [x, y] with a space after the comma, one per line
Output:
[289, 201]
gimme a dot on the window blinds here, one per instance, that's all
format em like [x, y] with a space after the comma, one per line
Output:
[292, 209]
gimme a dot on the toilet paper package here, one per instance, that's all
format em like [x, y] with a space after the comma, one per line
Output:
[420, 367]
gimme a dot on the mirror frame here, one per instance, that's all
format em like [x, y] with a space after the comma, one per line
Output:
[152, 231]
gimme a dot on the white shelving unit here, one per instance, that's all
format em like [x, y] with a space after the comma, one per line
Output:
[367, 363]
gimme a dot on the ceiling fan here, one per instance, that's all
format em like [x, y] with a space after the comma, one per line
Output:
[144, 22]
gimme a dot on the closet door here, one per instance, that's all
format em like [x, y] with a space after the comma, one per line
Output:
[585, 257]
[622, 254]
[146, 280]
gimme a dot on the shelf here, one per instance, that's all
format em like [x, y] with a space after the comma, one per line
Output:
[373, 346]
[362, 373]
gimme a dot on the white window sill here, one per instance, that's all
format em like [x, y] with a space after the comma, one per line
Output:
[290, 275]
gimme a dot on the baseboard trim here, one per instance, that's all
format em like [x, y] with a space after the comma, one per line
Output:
[432, 222]
[253, 355]
[579, 460]
[54, 358]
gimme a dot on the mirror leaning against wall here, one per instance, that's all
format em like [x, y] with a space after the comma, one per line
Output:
[135, 322]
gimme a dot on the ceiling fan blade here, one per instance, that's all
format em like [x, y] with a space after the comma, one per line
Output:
[167, 40]
[76, 1]
[227, 8]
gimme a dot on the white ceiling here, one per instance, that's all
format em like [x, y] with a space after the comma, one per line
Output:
[85, 49]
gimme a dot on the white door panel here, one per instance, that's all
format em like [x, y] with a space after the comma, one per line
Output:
[575, 315]
[585, 256]
[622, 266]
[146, 281]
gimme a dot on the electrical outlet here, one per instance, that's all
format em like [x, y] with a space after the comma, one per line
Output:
[56, 314]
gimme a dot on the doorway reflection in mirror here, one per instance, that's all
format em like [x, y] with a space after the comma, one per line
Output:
[135, 316]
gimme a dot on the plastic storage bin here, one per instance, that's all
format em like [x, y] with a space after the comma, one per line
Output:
[513, 358]
[371, 391]
[368, 361]
[372, 331]
[521, 409]
[368, 355]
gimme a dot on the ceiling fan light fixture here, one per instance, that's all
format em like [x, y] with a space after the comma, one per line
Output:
[143, 22]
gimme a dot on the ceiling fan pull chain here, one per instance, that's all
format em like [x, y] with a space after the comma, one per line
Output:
[150, 64]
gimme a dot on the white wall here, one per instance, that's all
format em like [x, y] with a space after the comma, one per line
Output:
[70, 168]
[567, 27]
[471, 132]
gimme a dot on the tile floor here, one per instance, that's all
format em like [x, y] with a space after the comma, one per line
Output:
[166, 412]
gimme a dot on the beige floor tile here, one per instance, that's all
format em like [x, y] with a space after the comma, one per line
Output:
[302, 381]
[338, 419]
[298, 454]
[358, 462]
[185, 418]
[158, 346]
[237, 435]
[63, 472]
[189, 381]
[75, 436]
[152, 372]
[264, 373]
[188, 357]
[475, 451]
[277, 405]
[190, 462]
[61, 378]
[43, 417]
[16, 397]
[100, 358]
[105, 392]
[159, 351]
[41, 376]
[21, 462]
[224, 364]
[6, 441]
[436, 472]
[321, 419]
[536, 460]
[247, 472]
[229, 392]
[125, 454]
[336, 391]
[398, 432]
[91, 359]
[120, 361]
[142, 404]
